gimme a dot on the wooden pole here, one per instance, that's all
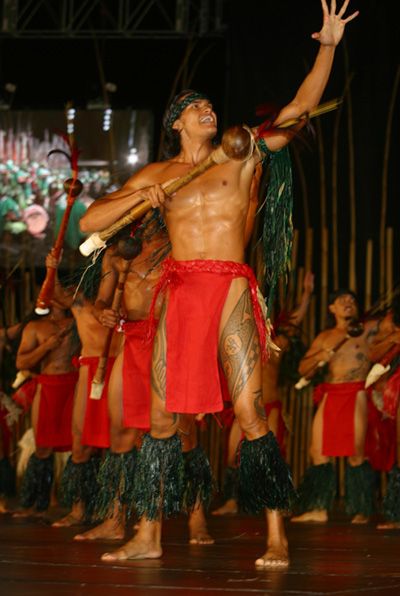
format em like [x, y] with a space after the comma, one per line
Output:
[324, 276]
[368, 275]
[385, 170]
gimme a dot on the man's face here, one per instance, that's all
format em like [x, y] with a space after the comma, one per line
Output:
[344, 307]
[197, 117]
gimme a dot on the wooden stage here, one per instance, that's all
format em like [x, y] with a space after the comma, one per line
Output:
[333, 559]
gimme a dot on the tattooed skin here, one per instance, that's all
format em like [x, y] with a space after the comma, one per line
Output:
[259, 405]
[239, 346]
[159, 364]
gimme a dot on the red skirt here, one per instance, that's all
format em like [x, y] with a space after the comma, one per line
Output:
[25, 394]
[5, 432]
[96, 425]
[55, 411]
[338, 418]
[380, 441]
[136, 372]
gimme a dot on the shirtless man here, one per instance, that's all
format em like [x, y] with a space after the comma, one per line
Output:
[340, 423]
[47, 343]
[388, 338]
[209, 312]
[129, 395]
[90, 420]
[272, 403]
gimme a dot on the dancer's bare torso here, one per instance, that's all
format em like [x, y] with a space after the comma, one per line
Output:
[91, 333]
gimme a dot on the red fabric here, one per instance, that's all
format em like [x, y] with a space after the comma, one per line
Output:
[391, 394]
[338, 418]
[380, 441]
[281, 432]
[5, 432]
[96, 426]
[24, 395]
[55, 411]
[197, 294]
[136, 373]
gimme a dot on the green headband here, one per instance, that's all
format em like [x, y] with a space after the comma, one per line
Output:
[177, 109]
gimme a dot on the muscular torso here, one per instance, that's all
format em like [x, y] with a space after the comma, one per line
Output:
[206, 219]
[59, 359]
[351, 362]
[91, 333]
[144, 273]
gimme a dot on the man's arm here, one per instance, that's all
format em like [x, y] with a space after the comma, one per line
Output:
[102, 308]
[143, 185]
[299, 313]
[310, 91]
[388, 335]
[316, 353]
[30, 352]
[60, 294]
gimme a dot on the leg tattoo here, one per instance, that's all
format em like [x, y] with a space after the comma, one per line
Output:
[159, 364]
[239, 346]
[259, 405]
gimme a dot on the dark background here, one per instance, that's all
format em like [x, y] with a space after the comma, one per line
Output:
[261, 55]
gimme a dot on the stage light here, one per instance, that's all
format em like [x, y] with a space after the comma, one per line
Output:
[132, 156]
[107, 119]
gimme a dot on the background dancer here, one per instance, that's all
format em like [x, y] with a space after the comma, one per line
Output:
[211, 308]
[340, 422]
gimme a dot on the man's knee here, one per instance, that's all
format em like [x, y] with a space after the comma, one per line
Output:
[355, 460]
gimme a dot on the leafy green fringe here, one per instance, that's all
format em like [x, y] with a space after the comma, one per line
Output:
[359, 496]
[37, 482]
[7, 478]
[277, 233]
[391, 502]
[115, 483]
[160, 478]
[317, 489]
[198, 479]
[264, 477]
[231, 483]
[79, 483]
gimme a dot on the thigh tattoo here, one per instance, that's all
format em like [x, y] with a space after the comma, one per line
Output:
[159, 360]
[239, 346]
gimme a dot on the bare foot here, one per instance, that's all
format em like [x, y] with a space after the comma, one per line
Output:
[360, 519]
[110, 529]
[136, 548]
[198, 530]
[388, 526]
[230, 507]
[316, 515]
[68, 521]
[275, 556]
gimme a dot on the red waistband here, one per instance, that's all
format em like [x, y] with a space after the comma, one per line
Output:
[58, 379]
[230, 268]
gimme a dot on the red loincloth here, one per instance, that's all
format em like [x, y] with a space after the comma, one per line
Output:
[24, 395]
[5, 432]
[96, 425]
[136, 372]
[380, 441]
[281, 432]
[197, 292]
[338, 417]
[391, 394]
[55, 411]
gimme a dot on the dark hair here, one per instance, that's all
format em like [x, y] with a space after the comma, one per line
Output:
[341, 292]
[172, 141]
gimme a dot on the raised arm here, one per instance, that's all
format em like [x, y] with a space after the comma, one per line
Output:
[299, 313]
[388, 335]
[310, 91]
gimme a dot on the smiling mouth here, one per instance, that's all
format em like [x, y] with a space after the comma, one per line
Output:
[207, 120]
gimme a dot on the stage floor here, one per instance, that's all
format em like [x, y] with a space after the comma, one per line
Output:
[333, 559]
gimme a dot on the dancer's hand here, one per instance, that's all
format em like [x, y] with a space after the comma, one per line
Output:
[333, 24]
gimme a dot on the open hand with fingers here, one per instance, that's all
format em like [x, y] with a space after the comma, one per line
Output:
[333, 24]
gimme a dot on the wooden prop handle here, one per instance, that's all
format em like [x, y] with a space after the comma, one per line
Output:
[47, 290]
[98, 240]
[100, 373]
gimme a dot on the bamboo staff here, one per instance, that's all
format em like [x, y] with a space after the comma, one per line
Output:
[237, 144]
[385, 170]
[128, 251]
